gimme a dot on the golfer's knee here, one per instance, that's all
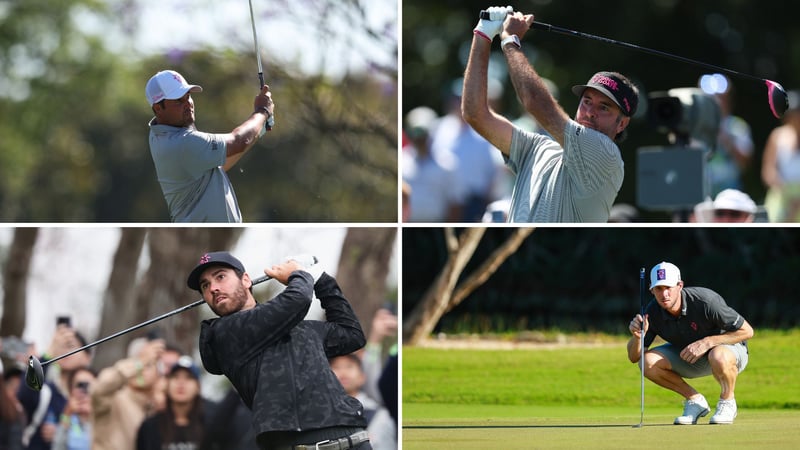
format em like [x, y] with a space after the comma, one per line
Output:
[721, 357]
[654, 362]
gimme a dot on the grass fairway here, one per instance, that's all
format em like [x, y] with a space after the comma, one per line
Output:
[588, 398]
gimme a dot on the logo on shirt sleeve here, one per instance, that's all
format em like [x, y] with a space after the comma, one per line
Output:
[214, 144]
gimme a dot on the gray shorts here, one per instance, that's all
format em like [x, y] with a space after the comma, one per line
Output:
[701, 368]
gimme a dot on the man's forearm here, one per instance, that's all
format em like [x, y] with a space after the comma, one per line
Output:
[730, 337]
[634, 349]
[474, 98]
[533, 93]
[243, 138]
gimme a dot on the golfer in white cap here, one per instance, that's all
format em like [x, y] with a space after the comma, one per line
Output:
[190, 164]
[704, 337]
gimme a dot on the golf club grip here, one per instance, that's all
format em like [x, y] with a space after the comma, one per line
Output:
[271, 121]
[536, 25]
[260, 280]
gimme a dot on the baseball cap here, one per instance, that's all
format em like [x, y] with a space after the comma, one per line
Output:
[419, 121]
[185, 363]
[736, 200]
[212, 259]
[614, 86]
[664, 274]
[168, 84]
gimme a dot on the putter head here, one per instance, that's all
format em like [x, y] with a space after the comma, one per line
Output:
[34, 374]
[778, 100]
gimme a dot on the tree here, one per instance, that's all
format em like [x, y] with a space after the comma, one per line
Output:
[15, 280]
[118, 301]
[445, 293]
[363, 267]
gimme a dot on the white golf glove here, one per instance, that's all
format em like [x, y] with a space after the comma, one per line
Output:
[310, 264]
[491, 27]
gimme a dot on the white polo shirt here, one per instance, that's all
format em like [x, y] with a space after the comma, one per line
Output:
[553, 184]
[189, 168]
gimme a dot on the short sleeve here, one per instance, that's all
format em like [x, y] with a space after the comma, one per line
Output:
[202, 151]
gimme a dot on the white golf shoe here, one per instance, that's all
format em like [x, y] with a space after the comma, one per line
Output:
[725, 412]
[693, 410]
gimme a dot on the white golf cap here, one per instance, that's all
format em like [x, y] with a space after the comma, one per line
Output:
[735, 200]
[664, 274]
[168, 84]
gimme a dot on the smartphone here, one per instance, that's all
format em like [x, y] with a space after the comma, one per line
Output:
[63, 320]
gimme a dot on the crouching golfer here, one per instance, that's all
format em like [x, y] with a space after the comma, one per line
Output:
[277, 361]
[704, 337]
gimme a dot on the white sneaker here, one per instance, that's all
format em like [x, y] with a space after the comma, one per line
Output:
[693, 410]
[725, 413]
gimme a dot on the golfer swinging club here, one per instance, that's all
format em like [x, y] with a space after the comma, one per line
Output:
[704, 337]
[277, 361]
[190, 164]
[575, 173]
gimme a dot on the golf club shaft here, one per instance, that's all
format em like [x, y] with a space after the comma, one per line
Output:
[556, 29]
[641, 338]
[255, 44]
[143, 324]
[271, 119]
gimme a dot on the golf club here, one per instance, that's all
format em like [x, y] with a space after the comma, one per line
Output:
[778, 100]
[271, 120]
[34, 374]
[641, 341]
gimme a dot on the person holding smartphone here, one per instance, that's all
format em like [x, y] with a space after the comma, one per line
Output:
[74, 430]
[42, 408]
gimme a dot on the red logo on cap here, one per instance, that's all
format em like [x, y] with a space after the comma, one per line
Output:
[205, 258]
[178, 78]
[605, 81]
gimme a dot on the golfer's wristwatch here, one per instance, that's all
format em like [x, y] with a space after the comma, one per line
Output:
[513, 39]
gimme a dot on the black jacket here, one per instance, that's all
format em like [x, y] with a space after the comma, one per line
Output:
[278, 362]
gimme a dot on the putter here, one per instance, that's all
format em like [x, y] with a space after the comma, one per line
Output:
[778, 100]
[271, 120]
[34, 374]
[641, 342]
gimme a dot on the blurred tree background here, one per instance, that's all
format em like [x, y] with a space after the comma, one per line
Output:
[587, 279]
[73, 117]
[745, 36]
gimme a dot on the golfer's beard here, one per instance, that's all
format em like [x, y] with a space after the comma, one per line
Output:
[235, 303]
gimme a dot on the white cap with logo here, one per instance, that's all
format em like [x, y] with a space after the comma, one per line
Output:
[168, 84]
[664, 274]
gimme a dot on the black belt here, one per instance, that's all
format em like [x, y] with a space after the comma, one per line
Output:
[343, 443]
